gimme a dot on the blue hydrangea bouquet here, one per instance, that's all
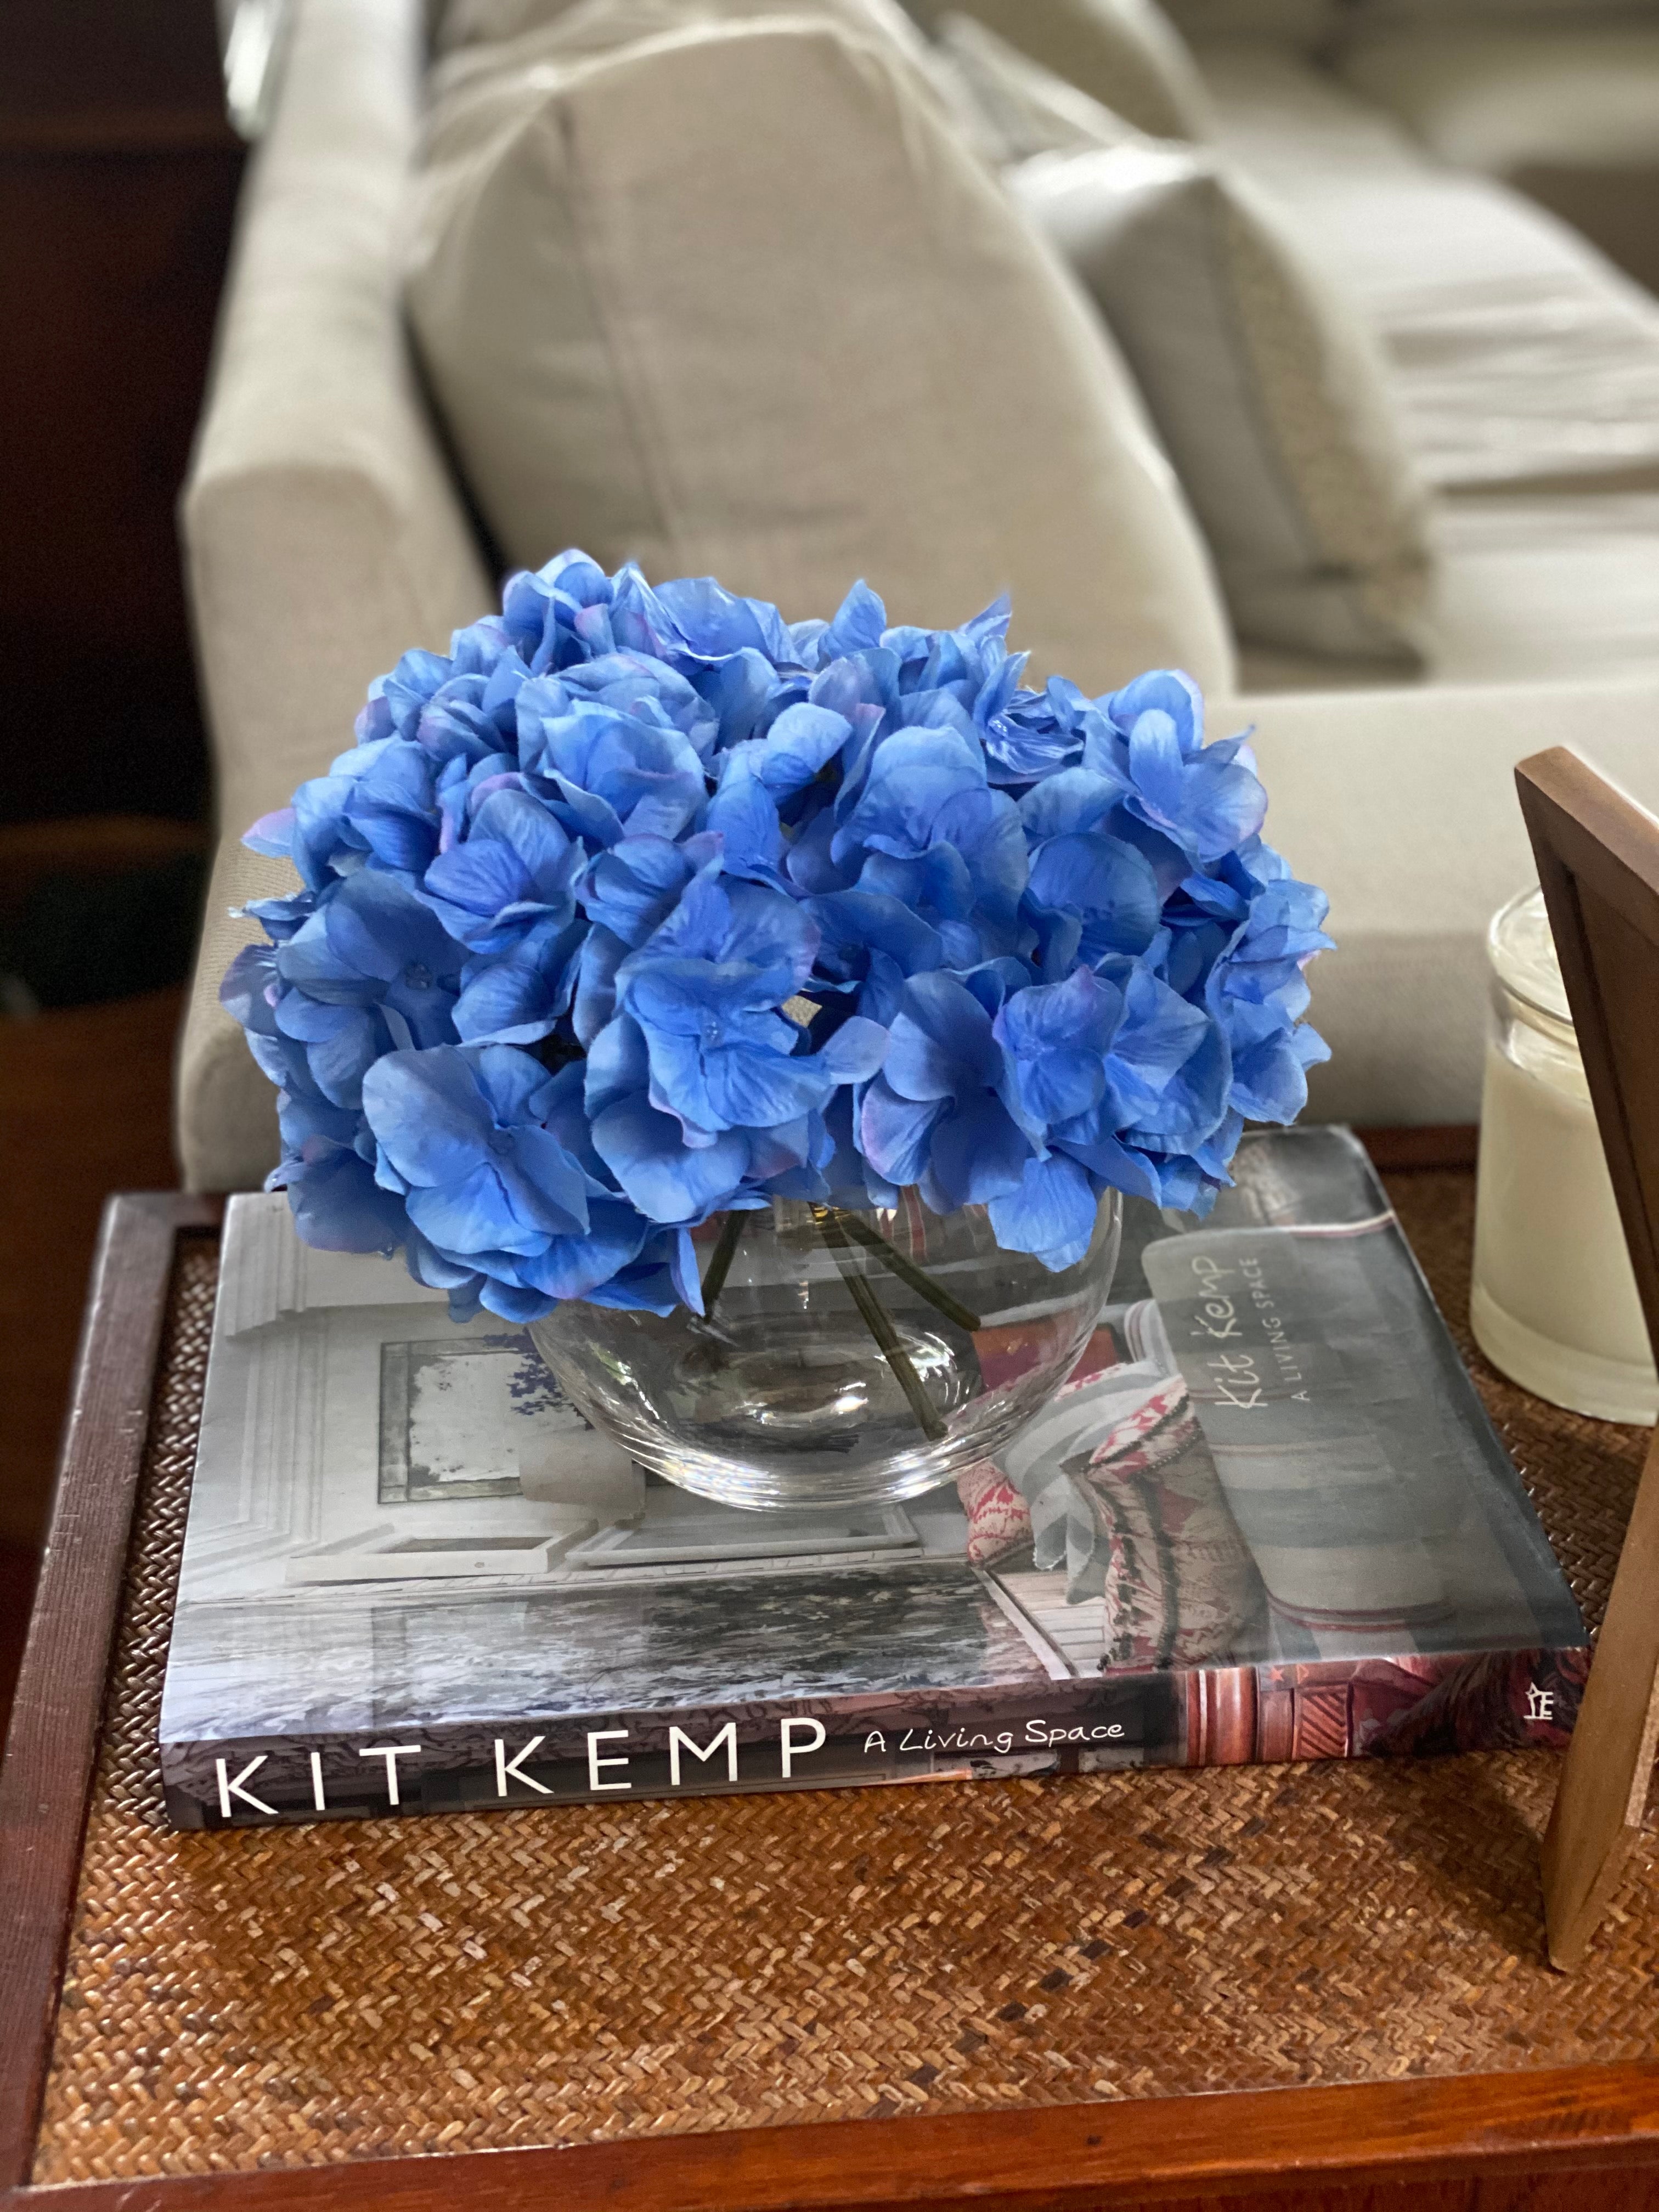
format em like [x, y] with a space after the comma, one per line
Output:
[642, 905]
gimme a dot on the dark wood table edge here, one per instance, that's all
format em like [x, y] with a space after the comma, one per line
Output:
[1524, 2124]
[1571, 2120]
[1435, 1145]
[51, 1749]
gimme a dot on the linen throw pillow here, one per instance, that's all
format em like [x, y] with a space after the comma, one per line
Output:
[1307, 24]
[601, 26]
[1125, 53]
[741, 302]
[1013, 108]
[1270, 395]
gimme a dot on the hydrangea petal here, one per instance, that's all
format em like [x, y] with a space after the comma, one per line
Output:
[799, 743]
[1051, 1214]
[894, 1133]
[979, 1153]
[338, 1208]
[666, 1178]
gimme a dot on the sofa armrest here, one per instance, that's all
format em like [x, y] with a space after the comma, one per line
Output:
[323, 533]
[226, 1107]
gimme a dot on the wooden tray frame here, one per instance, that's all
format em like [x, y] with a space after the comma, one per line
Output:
[1571, 2139]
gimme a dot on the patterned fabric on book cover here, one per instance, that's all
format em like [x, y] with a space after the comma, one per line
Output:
[1115, 1482]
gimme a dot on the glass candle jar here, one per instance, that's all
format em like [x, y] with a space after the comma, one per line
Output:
[1554, 1300]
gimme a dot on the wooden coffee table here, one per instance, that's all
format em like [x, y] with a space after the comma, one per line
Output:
[1301, 1986]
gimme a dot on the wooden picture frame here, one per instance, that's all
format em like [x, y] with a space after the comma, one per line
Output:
[1598, 862]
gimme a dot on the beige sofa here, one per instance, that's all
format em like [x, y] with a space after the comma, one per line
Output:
[1564, 106]
[326, 533]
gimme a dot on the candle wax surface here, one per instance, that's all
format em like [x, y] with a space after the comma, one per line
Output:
[1555, 1302]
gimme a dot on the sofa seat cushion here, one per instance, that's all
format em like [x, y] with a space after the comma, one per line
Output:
[1529, 587]
[1499, 97]
[1520, 356]
[1402, 805]
[743, 303]
[1537, 586]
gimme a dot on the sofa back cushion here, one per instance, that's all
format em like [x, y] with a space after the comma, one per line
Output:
[1126, 54]
[1013, 108]
[740, 301]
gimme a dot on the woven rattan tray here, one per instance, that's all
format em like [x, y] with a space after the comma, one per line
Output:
[294, 1998]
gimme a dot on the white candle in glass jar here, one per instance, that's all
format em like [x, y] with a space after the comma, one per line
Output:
[1553, 1302]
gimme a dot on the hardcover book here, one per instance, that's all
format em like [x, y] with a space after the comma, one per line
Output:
[1266, 1519]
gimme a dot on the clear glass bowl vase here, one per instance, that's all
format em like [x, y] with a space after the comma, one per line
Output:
[842, 1355]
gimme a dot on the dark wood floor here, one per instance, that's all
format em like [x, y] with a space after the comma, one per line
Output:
[85, 1106]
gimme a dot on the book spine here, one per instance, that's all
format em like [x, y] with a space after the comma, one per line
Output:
[1212, 1717]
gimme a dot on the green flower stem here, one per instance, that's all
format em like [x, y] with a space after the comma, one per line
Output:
[720, 1258]
[907, 1270]
[879, 1323]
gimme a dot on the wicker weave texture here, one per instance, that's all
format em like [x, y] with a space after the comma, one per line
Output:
[287, 1997]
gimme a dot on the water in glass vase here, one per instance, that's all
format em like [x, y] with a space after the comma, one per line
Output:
[840, 1356]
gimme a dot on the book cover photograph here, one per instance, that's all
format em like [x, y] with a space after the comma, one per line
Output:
[1266, 1519]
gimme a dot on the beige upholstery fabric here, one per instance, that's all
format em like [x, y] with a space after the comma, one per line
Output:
[878, 373]
[1529, 587]
[1497, 97]
[1015, 108]
[1517, 356]
[1125, 53]
[1364, 17]
[484, 37]
[517, 50]
[225, 1107]
[1402, 805]
[1270, 397]
[1282, 115]
[1302, 23]
[467, 22]
[324, 535]
[1549, 585]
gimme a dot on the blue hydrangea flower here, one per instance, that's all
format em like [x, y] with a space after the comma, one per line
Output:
[935, 1115]
[469, 1137]
[617, 739]
[1203, 798]
[372, 970]
[699, 1081]
[641, 903]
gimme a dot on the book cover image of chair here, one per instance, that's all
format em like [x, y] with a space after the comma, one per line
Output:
[1598, 861]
